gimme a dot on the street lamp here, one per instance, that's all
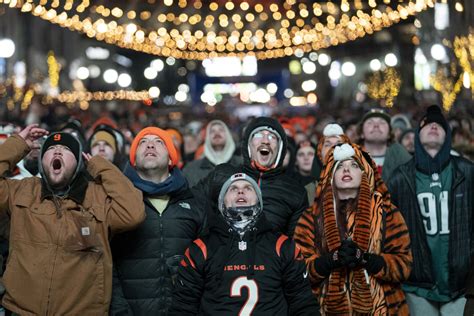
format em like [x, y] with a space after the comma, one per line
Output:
[7, 48]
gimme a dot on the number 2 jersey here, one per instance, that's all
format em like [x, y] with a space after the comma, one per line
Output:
[262, 273]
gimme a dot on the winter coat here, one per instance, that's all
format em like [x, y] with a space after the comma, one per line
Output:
[284, 199]
[217, 267]
[146, 259]
[377, 228]
[395, 156]
[60, 261]
[402, 187]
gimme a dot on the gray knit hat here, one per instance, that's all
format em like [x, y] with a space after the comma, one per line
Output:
[232, 179]
[241, 218]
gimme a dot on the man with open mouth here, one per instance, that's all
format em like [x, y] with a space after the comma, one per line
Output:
[60, 260]
[263, 150]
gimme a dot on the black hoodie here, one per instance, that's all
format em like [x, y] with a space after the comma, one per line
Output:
[217, 267]
[284, 199]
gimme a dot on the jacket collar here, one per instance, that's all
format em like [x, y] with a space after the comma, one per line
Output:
[77, 192]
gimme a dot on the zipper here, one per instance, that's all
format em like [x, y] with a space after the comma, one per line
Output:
[54, 263]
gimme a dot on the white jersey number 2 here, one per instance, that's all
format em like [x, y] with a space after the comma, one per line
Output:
[252, 289]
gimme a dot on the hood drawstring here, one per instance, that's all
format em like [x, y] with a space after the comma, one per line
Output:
[57, 204]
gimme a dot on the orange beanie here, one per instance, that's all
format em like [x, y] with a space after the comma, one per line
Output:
[161, 134]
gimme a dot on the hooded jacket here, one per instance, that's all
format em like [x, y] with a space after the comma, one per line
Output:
[146, 259]
[196, 170]
[377, 228]
[216, 268]
[60, 260]
[119, 159]
[284, 199]
[402, 186]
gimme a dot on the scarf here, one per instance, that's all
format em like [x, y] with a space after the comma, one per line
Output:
[336, 295]
[255, 165]
[175, 182]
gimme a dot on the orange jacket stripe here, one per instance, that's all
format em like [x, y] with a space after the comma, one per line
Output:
[202, 246]
[280, 242]
[189, 258]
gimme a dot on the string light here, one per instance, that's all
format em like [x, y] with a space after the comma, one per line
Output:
[68, 97]
[53, 70]
[449, 82]
[207, 30]
[384, 86]
[17, 96]
[88, 96]
[463, 47]
[447, 86]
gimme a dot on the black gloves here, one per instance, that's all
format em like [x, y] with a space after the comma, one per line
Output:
[327, 262]
[373, 263]
[350, 254]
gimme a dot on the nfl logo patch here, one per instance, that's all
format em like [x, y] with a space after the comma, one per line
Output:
[242, 245]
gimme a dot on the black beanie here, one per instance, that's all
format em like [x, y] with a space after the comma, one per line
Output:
[376, 113]
[65, 139]
[434, 115]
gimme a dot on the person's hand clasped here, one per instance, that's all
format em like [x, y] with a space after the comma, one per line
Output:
[350, 254]
[373, 263]
[327, 262]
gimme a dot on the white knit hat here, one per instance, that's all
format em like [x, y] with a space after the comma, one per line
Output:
[333, 130]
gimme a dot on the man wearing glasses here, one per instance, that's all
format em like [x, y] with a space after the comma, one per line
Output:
[263, 151]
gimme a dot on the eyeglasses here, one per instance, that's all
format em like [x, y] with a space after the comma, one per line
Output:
[260, 135]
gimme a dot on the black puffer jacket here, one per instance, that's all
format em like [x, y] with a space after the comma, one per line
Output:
[284, 199]
[402, 187]
[146, 259]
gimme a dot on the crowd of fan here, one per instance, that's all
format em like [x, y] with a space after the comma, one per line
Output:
[137, 214]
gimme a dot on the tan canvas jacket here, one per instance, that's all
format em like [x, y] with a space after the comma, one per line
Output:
[60, 261]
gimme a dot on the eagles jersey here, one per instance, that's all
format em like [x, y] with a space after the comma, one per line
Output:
[262, 273]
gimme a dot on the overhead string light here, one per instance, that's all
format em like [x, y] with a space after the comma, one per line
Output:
[200, 29]
[128, 95]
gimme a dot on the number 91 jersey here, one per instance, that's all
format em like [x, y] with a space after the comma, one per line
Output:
[262, 274]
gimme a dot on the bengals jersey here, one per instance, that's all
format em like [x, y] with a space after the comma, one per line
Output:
[261, 274]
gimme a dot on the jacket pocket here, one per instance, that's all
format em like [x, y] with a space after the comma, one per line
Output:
[33, 222]
[84, 230]
[172, 264]
[26, 201]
